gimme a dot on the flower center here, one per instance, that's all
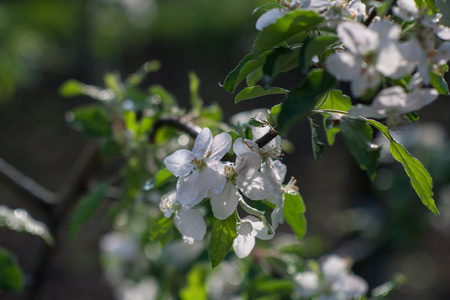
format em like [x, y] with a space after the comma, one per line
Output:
[199, 164]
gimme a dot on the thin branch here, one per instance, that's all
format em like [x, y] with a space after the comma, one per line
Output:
[26, 184]
[372, 15]
[188, 127]
[267, 138]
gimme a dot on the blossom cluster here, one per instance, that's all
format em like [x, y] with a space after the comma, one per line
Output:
[409, 45]
[256, 174]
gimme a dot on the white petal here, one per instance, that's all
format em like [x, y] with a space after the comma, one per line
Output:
[260, 231]
[203, 143]
[275, 171]
[412, 50]
[408, 6]
[391, 62]
[443, 32]
[308, 283]
[243, 245]
[392, 97]
[214, 177]
[258, 132]
[179, 163]
[166, 203]
[350, 287]
[255, 186]
[220, 146]
[343, 65]
[334, 268]
[269, 17]
[443, 53]
[357, 38]
[388, 31]
[419, 98]
[241, 146]
[277, 215]
[247, 163]
[188, 190]
[368, 79]
[190, 223]
[224, 204]
[367, 111]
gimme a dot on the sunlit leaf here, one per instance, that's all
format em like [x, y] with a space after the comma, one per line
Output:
[439, 83]
[294, 210]
[137, 77]
[160, 178]
[420, 178]
[221, 239]
[195, 288]
[194, 88]
[161, 230]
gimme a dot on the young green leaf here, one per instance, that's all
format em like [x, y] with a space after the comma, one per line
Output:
[439, 83]
[221, 239]
[160, 178]
[194, 88]
[294, 210]
[288, 26]
[301, 100]
[137, 77]
[420, 178]
[258, 91]
[161, 230]
[358, 139]
[11, 275]
[317, 145]
[87, 207]
[195, 288]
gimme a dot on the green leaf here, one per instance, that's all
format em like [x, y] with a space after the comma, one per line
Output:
[194, 89]
[420, 178]
[255, 123]
[278, 286]
[11, 275]
[294, 210]
[21, 221]
[93, 120]
[258, 91]
[280, 60]
[275, 111]
[71, 88]
[87, 207]
[137, 77]
[317, 145]
[213, 112]
[314, 47]
[439, 83]
[288, 26]
[161, 230]
[333, 100]
[162, 95]
[112, 81]
[232, 79]
[255, 76]
[358, 139]
[221, 240]
[195, 288]
[384, 290]
[301, 100]
[160, 178]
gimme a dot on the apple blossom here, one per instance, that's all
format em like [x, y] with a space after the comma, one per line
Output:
[334, 281]
[249, 229]
[188, 221]
[200, 170]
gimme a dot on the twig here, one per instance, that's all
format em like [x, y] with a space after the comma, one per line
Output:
[267, 138]
[45, 197]
[188, 127]
[372, 15]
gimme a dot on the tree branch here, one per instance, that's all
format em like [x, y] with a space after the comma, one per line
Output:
[24, 183]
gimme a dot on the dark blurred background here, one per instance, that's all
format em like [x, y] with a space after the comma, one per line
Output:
[45, 42]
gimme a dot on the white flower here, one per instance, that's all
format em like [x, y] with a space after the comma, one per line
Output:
[393, 102]
[243, 175]
[189, 222]
[200, 170]
[335, 282]
[249, 229]
[370, 54]
[406, 9]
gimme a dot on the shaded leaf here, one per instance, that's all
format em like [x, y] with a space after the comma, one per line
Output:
[232, 78]
[358, 139]
[288, 26]
[280, 60]
[301, 100]
[315, 47]
[21, 221]
[87, 207]
[293, 210]
[161, 230]
[194, 89]
[221, 240]
[317, 145]
[420, 178]
[384, 290]
[93, 120]
[258, 91]
[11, 275]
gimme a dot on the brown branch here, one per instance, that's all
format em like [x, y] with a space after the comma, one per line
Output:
[372, 15]
[267, 138]
[24, 183]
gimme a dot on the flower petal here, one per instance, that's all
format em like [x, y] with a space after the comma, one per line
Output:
[213, 177]
[351, 287]
[269, 17]
[357, 38]
[203, 142]
[247, 163]
[334, 268]
[188, 190]
[344, 66]
[241, 146]
[277, 215]
[243, 245]
[220, 146]
[190, 223]
[224, 204]
[308, 283]
[255, 186]
[179, 163]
